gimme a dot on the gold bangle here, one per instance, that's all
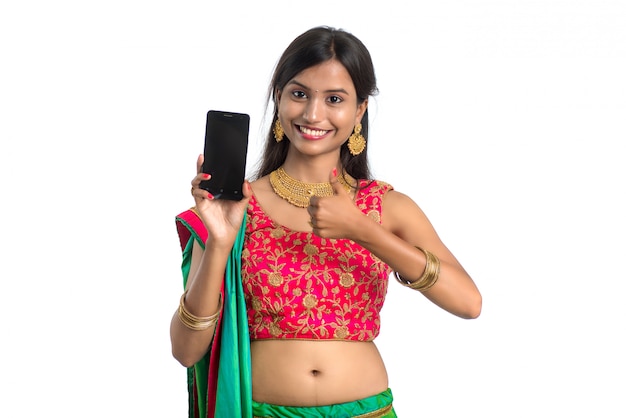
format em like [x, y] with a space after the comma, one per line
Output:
[428, 278]
[197, 323]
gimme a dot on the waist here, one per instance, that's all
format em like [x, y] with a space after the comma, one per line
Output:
[313, 373]
[376, 406]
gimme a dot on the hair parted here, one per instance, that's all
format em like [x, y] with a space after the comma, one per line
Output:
[313, 47]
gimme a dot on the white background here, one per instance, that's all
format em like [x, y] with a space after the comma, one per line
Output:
[503, 119]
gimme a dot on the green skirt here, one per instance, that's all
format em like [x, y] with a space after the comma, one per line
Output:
[377, 406]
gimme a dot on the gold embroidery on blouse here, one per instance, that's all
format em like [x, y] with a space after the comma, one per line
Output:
[375, 215]
[309, 301]
[309, 287]
[341, 332]
[310, 249]
[275, 279]
[278, 232]
[346, 280]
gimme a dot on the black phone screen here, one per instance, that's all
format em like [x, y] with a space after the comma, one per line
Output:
[225, 150]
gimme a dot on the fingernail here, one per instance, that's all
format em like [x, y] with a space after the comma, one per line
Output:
[209, 196]
[205, 175]
[334, 172]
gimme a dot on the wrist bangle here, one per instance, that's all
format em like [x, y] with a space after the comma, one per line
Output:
[428, 278]
[197, 323]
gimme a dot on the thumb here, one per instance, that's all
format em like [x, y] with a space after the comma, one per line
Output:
[336, 184]
[199, 163]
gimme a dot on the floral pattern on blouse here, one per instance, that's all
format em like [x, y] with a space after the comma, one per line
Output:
[301, 286]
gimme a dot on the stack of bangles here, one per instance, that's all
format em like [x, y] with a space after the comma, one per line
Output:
[197, 323]
[428, 278]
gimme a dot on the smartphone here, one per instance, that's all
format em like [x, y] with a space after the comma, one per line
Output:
[225, 151]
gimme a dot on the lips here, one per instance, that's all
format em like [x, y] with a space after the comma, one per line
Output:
[312, 133]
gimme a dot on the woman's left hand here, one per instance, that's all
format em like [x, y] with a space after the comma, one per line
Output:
[334, 216]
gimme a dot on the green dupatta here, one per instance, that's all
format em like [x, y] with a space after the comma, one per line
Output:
[220, 384]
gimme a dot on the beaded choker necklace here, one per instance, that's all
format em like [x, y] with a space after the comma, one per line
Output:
[298, 192]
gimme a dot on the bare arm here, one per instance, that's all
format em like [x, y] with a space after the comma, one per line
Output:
[206, 275]
[406, 226]
[403, 227]
[222, 219]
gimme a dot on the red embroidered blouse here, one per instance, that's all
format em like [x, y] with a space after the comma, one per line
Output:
[300, 286]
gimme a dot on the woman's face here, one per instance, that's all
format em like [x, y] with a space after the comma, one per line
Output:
[318, 108]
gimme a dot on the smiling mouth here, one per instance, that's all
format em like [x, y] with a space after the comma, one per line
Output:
[312, 132]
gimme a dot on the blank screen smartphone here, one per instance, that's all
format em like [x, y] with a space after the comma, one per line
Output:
[225, 150]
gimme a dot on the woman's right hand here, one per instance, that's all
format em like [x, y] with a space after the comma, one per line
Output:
[221, 217]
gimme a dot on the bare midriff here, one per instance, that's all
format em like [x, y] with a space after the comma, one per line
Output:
[314, 373]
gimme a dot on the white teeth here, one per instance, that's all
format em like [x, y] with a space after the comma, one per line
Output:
[312, 131]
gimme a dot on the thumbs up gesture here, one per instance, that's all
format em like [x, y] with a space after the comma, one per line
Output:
[334, 216]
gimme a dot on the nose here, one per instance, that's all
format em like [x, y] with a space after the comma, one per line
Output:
[314, 110]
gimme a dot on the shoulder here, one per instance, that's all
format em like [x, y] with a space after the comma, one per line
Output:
[189, 215]
[399, 202]
[262, 192]
[402, 213]
[189, 224]
[261, 185]
[374, 187]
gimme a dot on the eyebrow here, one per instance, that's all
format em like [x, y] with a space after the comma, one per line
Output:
[326, 91]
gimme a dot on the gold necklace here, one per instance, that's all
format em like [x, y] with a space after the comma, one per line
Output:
[298, 192]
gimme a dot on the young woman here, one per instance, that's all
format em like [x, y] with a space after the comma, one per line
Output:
[321, 239]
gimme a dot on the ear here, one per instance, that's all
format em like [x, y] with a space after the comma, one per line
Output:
[360, 111]
[277, 94]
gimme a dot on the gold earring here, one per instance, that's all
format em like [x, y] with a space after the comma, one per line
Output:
[278, 131]
[356, 142]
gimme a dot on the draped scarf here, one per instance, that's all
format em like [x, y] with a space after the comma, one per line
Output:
[220, 384]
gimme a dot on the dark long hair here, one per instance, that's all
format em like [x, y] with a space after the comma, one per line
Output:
[311, 48]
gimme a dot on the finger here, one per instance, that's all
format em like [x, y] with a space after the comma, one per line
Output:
[201, 194]
[199, 178]
[335, 183]
[247, 189]
[313, 202]
[199, 163]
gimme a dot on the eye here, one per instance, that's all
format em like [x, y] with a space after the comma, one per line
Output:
[298, 94]
[335, 99]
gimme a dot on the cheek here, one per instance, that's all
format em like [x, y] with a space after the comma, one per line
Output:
[346, 120]
[287, 110]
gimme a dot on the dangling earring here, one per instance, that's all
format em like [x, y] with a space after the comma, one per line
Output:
[356, 142]
[278, 131]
